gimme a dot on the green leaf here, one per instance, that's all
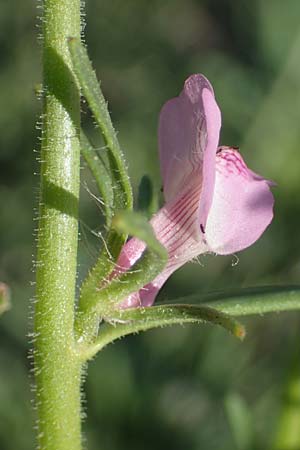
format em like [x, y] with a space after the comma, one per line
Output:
[101, 173]
[91, 90]
[128, 321]
[249, 301]
[4, 298]
[150, 264]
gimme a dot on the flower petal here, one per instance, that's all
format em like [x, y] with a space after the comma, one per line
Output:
[188, 136]
[213, 125]
[242, 205]
[176, 226]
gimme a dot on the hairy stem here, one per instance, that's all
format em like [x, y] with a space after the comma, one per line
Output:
[57, 368]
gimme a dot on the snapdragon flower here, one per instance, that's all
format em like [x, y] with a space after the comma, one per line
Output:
[214, 203]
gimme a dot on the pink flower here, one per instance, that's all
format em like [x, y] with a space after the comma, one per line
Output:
[214, 203]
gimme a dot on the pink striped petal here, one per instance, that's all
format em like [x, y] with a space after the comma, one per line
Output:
[242, 205]
[176, 226]
[188, 137]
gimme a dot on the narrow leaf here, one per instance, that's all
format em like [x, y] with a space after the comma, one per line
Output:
[129, 321]
[249, 301]
[91, 90]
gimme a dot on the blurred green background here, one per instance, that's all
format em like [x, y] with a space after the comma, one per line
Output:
[184, 387]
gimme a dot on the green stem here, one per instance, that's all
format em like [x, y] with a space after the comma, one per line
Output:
[57, 368]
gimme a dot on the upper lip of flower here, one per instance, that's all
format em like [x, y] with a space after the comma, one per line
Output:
[235, 204]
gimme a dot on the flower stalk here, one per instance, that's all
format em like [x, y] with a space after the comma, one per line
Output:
[56, 364]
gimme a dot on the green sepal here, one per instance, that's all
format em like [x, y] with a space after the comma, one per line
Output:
[153, 260]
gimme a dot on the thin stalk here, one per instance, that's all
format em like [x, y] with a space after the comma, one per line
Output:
[57, 368]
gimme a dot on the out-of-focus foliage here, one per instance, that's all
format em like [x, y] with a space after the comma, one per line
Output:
[180, 387]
